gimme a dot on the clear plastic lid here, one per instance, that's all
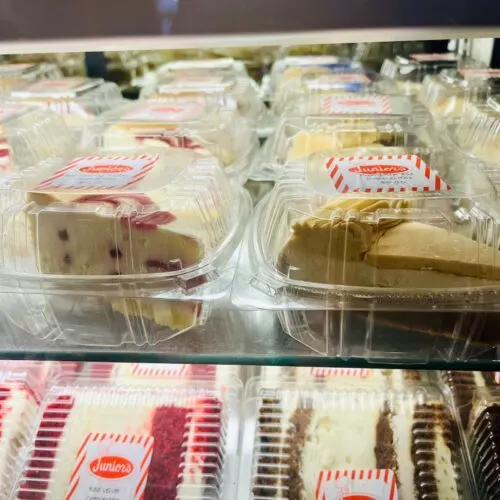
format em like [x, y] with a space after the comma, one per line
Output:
[483, 434]
[446, 94]
[477, 131]
[235, 92]
[289, 68]
[119, 215]
[95, 439]
[299, 137]
[221, 66]
[396, 227]
[77, 99]
[29, 135]
[201, 125]
[14, 74]
[18, 410]
[373, 443]
[341, 82]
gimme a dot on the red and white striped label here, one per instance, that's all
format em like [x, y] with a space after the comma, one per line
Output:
[497, 377]
[111, 466]
[362, 484]
[383, 174]
[340, 372]
[480, 73]
[159, 370]
[166, 112]
[100, 173]
[353, 105]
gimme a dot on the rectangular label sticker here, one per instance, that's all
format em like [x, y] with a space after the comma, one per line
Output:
[166, 112]
[111, 466]
[434, 57]
[362, 484]
[375, 105]
[340, 372]
[100, 172]
[159, 370]
[383, 174]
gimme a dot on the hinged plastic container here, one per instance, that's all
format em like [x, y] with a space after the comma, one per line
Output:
[298, 137]
[133, 442]
[313, 442]
[220, 66]
[337, 82]
[15, 74]
[113, 248]
[477, 131]
[29, 135]
[201, 125]
[379, 253]
[410, 72]
[295, 67]
[18, 410]
[239, 93]
[79, 100]
[482, 437]
[446, 94]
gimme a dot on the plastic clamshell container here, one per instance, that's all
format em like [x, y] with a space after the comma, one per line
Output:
[201, 125]
[221, 66]
[18, 411]
[446, 94]
[14, 74]
[79, 100]
[156, 442]
[118, 248]
[482, 434]
[341, 82]
[374, 442]
[477, 131]
[378, 253]
[297, 137]
[235, 92]
[29, 135]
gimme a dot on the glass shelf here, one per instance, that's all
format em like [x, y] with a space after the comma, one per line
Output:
[230, 336]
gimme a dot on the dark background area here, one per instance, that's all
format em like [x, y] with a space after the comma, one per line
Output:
[43, 19]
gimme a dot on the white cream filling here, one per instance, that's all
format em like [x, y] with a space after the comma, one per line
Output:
[445, 473]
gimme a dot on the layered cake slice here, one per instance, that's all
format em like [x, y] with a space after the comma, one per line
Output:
[310, 443]
[18, 408]
[150, 443]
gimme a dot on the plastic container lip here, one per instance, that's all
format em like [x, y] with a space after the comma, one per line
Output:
[258, 254]
[224, 64]
[24, 69]
[71, 87]
[191, 83]
[206, 263]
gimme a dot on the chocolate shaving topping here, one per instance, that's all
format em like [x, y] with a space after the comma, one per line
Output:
[462, 386]
[385, 452]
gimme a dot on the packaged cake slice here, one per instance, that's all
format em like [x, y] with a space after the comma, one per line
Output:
[147, 237]
[447, 93]
[483, 438]
[202, 125]
[78, 100]
[315, 443]
[370, 251]
[21, 73]
[19, 399]
[120, 441]
[213, 66]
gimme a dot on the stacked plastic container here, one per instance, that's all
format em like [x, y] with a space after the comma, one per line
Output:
[447, 93]
[15, 74]
[118, 246]
[200, 124]
[100, 439]
[78, 100]
[367, 441]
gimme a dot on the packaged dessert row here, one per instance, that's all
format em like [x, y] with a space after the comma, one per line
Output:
[378, 252]
[199, 124]
[118, 246]
[101, 440]
[15, 74]
[316, 442]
